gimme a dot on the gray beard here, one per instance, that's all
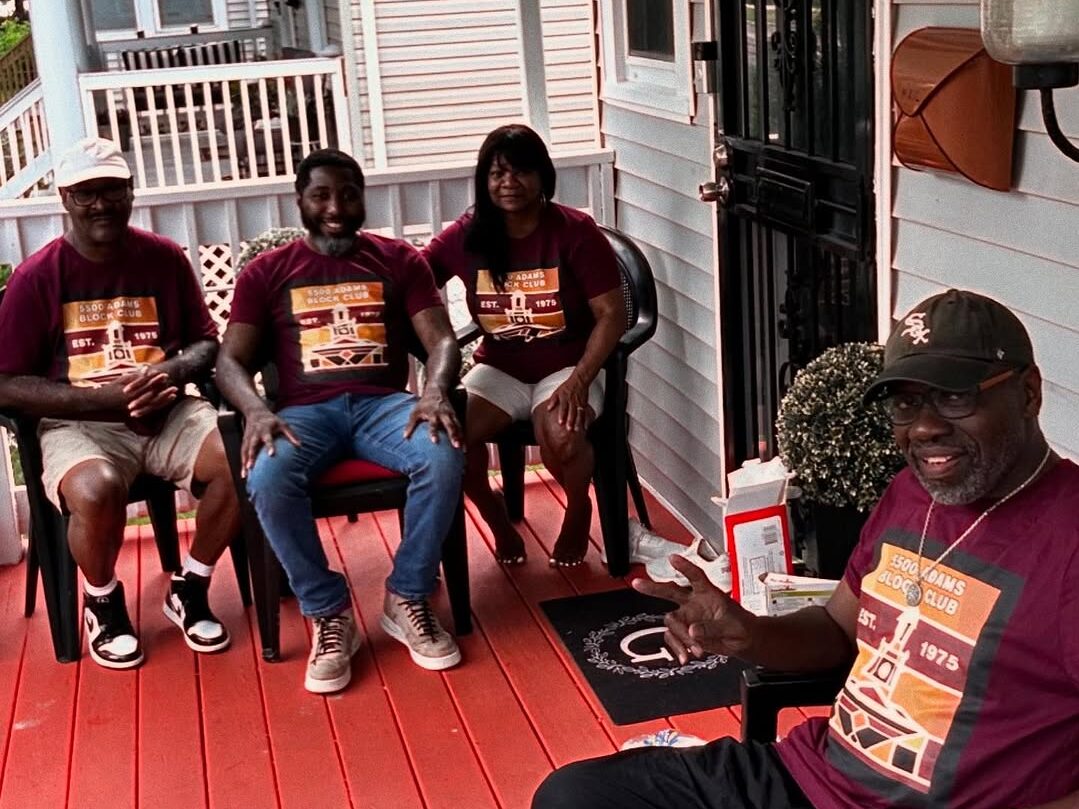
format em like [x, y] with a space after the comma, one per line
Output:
[984, 476]
[335, 246]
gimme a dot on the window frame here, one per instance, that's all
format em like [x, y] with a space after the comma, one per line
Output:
[656, 86]
[148, 20]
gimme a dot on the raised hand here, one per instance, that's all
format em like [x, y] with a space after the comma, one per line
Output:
[707, 620]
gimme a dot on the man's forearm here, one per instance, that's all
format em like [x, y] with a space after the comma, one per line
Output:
[443, 364]
[193, 363]
[807, 640]
[237, 385]
[43, 398]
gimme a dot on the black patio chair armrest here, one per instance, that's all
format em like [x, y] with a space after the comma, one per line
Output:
[467, 333]
[765, 693]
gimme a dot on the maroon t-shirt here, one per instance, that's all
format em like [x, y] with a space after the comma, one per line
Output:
[970, 701]
[336, 324]
[73, 320]
[540, 322]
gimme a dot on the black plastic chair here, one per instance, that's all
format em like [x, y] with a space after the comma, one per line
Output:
[765, 693]
[48, 553]
[615, 468]
[348, 488]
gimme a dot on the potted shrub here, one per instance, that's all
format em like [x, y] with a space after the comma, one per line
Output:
[841, 451]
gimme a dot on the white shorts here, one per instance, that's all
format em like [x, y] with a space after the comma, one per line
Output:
[171, 454]
[518, 399]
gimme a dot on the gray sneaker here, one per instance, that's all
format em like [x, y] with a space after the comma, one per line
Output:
[413, 623]
[329, 666]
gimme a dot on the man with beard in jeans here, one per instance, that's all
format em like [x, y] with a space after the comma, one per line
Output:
[956, 617]
[334, 311]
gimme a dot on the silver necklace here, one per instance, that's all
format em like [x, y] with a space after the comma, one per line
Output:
[914, 591]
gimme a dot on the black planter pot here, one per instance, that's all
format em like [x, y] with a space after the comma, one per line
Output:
[835, 531]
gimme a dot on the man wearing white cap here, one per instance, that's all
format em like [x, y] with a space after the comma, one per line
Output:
[100, 331]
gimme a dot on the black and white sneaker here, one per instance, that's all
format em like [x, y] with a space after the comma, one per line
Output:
[112, 640]
[187, 605]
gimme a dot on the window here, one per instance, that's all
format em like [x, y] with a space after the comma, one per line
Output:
[120, 19]
[646, 60]
[650, 29]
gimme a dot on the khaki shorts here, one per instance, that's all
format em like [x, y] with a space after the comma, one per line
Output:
[171, 454]
[518, 399]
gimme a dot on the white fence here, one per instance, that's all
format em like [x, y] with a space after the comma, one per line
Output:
[24, 142]
[199, 127]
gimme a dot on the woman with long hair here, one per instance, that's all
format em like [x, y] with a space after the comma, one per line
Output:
[543, 285]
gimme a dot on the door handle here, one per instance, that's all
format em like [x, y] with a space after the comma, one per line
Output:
[718, 192]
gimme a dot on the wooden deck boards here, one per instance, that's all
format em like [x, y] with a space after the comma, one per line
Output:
[231, 731]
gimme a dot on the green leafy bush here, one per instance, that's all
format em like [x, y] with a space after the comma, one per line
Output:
[841, 451]
[12, 32]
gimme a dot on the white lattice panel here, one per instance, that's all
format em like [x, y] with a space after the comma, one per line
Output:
[218, 281]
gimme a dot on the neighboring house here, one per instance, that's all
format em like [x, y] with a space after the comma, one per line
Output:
[822, 237]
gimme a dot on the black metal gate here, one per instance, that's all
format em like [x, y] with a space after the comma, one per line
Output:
[795, 191]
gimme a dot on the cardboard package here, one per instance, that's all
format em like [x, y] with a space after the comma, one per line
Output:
[784, 593]
[756, 529]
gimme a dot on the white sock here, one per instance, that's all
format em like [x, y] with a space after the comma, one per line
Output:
[97, 592]
[193, 565]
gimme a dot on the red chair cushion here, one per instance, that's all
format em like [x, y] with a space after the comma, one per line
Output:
[354, 471]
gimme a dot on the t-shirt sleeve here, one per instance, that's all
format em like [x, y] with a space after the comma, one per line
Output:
[420, 290]
[194, 313]
[250, 303]
[592, 260]
[1069, 613]
[445, 253]
[24, 325]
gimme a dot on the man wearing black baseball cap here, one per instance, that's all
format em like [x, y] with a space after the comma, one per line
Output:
[955, 618]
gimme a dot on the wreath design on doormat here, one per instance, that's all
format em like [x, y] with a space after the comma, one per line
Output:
[600, 659]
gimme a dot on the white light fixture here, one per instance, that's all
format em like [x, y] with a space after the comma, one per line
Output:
[1041, 39]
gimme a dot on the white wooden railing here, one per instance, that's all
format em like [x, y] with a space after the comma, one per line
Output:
[24, 142]
[201, 127]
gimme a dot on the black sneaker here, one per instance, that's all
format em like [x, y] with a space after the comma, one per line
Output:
[112, 640]
[188, 606]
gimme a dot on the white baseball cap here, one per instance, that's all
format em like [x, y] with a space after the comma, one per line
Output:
[90, 159]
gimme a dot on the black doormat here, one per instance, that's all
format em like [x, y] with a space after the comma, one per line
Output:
[616, 640]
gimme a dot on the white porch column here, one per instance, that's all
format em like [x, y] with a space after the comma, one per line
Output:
[316, 24]
[61, 50]
[533, 71]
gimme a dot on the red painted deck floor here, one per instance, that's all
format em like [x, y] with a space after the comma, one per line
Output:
[230, 731]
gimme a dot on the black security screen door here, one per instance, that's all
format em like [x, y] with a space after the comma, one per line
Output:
[795, 167]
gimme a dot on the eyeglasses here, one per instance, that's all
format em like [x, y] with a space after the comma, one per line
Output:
[903, 407]
[84, 198]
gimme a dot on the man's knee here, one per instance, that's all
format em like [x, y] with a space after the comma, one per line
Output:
[95, 490]
[442, 463]
[565, 446]
[569, 787]
[212, 464]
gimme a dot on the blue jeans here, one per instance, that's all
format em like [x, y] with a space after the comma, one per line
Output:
[370, 428]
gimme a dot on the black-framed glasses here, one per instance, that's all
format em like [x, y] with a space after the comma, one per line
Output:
[903, 407]
[84, 198]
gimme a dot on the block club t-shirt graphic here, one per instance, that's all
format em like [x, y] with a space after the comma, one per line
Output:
[971, 699]
[527, 308]
[341, 326]
[107, 338]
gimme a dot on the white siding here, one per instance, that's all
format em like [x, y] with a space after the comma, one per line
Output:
[239, 13]
[675, 426]
[444, 73]
[1022, 247]
[333, 21]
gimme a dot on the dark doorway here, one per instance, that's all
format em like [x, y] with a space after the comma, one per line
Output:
[795, 165]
